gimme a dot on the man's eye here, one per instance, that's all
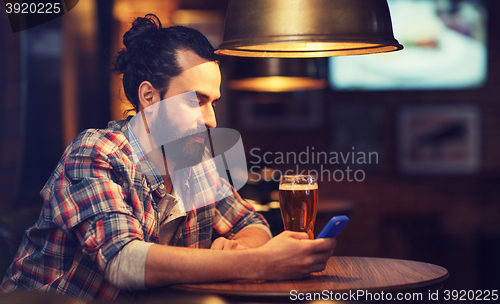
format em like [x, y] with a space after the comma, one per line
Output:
[194, 102]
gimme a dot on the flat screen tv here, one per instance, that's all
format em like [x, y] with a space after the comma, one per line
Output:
[444, 48]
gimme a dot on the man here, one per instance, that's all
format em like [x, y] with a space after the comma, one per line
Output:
[118, 217]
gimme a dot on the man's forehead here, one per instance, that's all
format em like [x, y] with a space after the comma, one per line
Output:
[188, 59]
[198, 74]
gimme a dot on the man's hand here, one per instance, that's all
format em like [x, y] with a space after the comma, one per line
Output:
[289, 255]
[250, 237]
[222, 243]
[292, 255]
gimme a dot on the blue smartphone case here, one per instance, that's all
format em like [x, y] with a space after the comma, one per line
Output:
[334, 227]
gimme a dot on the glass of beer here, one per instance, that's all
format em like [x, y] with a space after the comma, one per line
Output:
[299, 202]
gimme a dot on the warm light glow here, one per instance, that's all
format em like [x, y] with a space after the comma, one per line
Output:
[277, 84]
[186, 17]
[307, 50]
[128, 10]
[300, 46]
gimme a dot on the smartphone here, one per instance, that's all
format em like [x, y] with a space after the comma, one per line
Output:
[334, 227]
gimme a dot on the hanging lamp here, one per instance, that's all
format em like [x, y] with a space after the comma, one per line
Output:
[278, 74]
[307, 28]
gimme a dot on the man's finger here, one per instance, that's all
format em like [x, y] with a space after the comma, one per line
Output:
[230, 245]
[218, 244]
[299, 235]
[317, 267]
[325, 244]
[322, 256]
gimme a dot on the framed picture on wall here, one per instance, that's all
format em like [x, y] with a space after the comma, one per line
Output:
[439, 139]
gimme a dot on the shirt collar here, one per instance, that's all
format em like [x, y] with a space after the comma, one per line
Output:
[139, 157]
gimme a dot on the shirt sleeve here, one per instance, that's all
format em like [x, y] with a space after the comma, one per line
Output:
[263, 227]
[233, 214]
[93, 199]
[127, 269]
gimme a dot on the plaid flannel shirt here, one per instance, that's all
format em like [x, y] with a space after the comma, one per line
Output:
[99, 199]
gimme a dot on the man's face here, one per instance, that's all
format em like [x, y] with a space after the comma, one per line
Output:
[188, 120]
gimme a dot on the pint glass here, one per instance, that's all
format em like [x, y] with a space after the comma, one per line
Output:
[299, 202]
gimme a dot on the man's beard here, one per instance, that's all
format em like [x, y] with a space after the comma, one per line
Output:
[184, 152]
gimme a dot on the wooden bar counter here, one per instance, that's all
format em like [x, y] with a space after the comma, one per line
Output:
[342, 275]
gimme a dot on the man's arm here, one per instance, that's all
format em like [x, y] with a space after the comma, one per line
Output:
[237, 224]
[289, 255]
[249, 237]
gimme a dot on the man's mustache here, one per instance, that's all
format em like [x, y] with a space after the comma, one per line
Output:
[199, 132]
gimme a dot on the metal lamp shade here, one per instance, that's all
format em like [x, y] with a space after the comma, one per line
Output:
[307, 28]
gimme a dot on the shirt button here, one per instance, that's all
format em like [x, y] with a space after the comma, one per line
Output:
[162, 186]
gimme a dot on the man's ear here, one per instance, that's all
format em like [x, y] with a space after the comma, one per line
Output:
[148, 95]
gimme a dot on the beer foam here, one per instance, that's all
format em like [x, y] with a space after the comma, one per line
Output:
[298, 187]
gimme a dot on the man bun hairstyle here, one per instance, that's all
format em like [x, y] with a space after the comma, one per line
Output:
[150, 54]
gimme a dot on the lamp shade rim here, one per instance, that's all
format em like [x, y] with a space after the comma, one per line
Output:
[245, 49]
[247, 42]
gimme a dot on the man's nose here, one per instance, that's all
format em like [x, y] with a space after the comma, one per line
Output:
[208, 114]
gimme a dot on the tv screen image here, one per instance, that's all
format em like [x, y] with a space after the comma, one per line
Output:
[444, 48]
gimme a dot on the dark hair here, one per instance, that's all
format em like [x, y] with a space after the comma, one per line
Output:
[150, 54]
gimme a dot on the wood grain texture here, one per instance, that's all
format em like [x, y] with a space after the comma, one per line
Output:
[342, 274]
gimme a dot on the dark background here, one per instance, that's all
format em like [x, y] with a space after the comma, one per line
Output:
[450, 220]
